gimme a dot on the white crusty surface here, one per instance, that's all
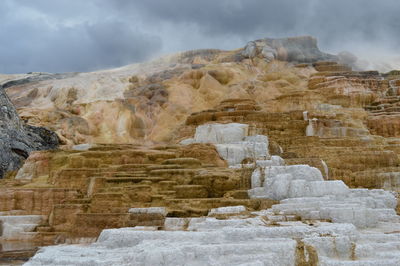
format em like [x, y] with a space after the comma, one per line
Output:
[232, 142]
[317, 222]
[19, 227]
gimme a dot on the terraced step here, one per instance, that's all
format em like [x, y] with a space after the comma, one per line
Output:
[167, 185]
[131, 174]
[44, 229]
[164, 166]
[52, 237]
[168, 193]
[78, 201]
[130, 167]
[237, 194]
[190, 191]
[172, 172]
[134, 179]
[187, 162]
[10, 256]
[210, 203]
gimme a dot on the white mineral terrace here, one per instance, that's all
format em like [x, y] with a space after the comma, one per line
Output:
[232, 141]
[19, 227]
[317, 222]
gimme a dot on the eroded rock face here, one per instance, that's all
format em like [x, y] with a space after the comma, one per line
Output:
[17, 139]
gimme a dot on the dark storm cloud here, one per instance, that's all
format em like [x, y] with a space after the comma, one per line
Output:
[333, 21]
[236, 17]
[65, 35]
[43, 36]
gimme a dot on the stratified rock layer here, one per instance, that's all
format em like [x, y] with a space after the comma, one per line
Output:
[185, 148]
[147, 102]
[317, 222]
[83, 191]
[339, 152]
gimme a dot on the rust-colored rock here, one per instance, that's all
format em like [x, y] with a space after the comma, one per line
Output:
[82, 192]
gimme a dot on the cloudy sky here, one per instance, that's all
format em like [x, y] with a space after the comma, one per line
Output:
[85, 35]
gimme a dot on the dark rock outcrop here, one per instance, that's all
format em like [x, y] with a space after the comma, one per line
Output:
[18, 139]
[36, 77]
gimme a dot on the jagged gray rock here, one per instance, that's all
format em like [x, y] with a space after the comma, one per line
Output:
[302, 49]
[18, 139]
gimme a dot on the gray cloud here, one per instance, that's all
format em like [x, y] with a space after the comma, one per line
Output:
[64, 35]
[55, 38]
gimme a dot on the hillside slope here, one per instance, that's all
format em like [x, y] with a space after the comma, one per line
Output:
[146, 102]
[275, 144]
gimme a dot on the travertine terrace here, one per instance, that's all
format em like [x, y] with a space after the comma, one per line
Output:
[272, 154]
[317, 222]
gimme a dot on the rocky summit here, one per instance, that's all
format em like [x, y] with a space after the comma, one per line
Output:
[272, 154]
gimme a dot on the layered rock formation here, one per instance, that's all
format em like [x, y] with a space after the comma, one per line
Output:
[244, 153]
[146, 102]
[83, 191]
[384, 112]
[317, 223]
[17, 139]
[334, 140]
